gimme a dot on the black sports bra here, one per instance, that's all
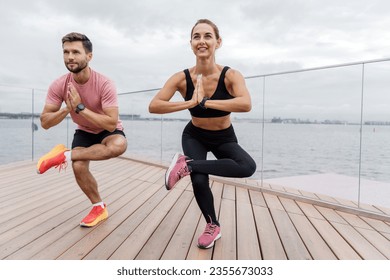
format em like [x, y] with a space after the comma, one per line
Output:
[220, 93]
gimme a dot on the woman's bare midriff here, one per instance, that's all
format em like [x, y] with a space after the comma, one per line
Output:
[218, 123]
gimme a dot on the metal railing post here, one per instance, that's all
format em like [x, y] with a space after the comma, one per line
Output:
[361, 134]
[32, 125]
[161, 138]
[262, 134]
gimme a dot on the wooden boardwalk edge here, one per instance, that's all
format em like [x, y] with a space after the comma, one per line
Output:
[147, 222]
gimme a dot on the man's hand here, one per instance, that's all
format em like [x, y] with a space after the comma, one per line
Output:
[73, 97]
[69, 106]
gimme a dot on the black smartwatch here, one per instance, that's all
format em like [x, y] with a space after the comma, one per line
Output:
[202, 103]
[79, 108]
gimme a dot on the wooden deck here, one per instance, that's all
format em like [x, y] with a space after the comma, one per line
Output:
[41, 213]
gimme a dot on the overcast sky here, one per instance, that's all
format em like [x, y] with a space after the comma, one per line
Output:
[139, 44]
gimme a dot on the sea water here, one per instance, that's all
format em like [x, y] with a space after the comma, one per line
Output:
[280, 150]
[336, 160]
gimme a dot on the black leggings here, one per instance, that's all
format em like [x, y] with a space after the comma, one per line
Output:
[232, 161]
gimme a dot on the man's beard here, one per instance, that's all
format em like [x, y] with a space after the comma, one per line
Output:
[78, 69]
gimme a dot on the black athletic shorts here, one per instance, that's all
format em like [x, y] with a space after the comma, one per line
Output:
[86, 139]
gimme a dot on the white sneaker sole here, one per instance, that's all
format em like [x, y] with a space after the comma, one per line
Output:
[212, 243]
[173, 163]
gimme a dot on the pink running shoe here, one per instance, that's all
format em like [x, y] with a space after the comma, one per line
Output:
[211, 233]
[176, 171]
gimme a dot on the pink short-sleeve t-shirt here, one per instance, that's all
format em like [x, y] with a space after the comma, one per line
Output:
[96, 94]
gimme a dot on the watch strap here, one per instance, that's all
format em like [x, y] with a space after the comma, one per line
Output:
[80, 107]
[202, 103]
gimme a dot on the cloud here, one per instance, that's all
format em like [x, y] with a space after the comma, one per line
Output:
[139, 44]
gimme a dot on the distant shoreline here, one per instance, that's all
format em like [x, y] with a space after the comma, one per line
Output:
[26, 115]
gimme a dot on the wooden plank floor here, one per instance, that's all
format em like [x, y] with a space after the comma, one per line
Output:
[41, 213]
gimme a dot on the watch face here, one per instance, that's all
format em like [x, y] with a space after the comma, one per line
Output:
[79, 108]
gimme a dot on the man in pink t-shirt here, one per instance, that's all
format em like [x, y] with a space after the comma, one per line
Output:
[91, 101]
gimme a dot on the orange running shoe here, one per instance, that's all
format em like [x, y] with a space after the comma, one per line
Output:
[55, 157]
[96, 215]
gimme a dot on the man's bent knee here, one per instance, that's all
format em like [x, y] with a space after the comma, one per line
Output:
[80, 166]
[116, 146]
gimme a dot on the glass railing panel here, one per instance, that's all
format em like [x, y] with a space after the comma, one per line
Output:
[144, 138]
[249, 125]
[311, 135]
[143, 130]
[375, 175]
[46, 139]
[15, 140]
[172, 129]
[303, 129]
[15, 130]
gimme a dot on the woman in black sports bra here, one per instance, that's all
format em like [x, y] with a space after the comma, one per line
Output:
[211, 92]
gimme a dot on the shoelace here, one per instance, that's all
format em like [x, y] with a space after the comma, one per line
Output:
[210, 228]
[183, 171]
[62, 166]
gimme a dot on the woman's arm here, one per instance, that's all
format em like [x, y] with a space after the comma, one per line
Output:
[161, 103]
[235, 83]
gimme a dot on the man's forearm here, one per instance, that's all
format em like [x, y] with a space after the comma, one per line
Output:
[51, 119]
[104, 121]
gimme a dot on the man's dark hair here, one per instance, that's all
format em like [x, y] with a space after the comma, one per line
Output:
[74, 36]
